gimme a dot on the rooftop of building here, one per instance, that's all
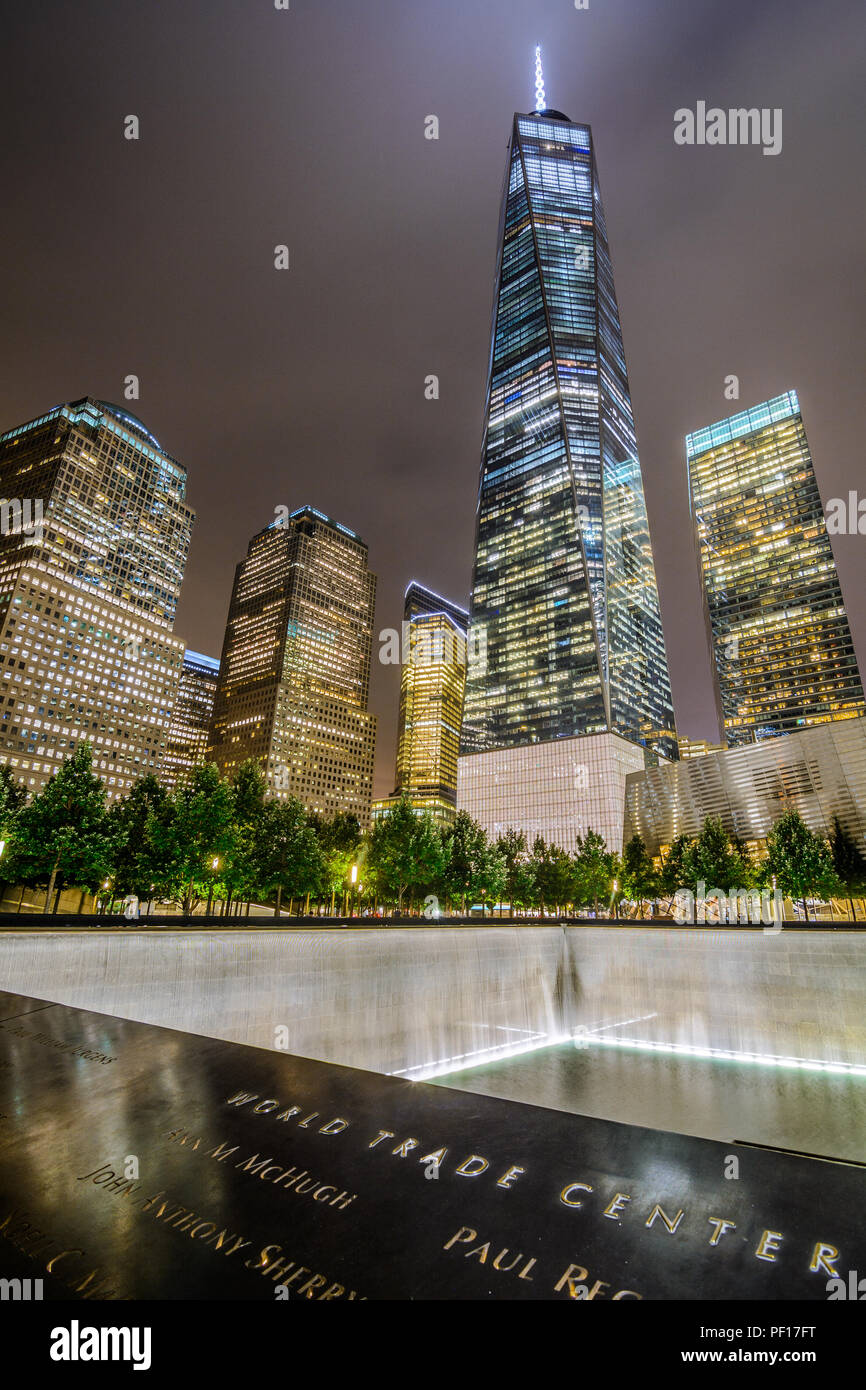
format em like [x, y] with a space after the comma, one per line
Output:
[198, 660]
[428, 603]
[91, 411]
[313, 514]
[759, 417]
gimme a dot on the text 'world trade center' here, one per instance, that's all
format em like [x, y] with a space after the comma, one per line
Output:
[567, 639]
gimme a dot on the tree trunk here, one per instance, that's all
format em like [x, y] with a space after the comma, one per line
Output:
[50, 888]
[279, 900]
[81, 901]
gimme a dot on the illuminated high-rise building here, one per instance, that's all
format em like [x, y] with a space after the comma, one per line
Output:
[95, 537]
[697, 747]
[191, 719]
[432, 686]
[783, 654]
[566, 633]
[295, 671]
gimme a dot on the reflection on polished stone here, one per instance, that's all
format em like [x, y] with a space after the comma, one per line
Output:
[141, 1163]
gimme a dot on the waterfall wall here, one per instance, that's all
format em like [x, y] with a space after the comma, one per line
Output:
[425, 1001]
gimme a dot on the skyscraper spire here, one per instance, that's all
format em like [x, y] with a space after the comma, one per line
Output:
[540, 98]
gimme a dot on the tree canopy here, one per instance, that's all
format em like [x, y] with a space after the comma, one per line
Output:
[228, 842]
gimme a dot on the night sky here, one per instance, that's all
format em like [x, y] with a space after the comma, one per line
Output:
[306, 127]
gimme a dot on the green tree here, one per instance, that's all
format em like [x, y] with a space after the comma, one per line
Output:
[639, 880]
[468, 866]
[519, 879]
[561, 877]
[595, 870]
[134, 865]
[406, 852]
[193, 827]
[800, 861]
[63, 837]
[676, 869]
[340, 841]
[541, 877]
[248, 791]
[715, 860]
[288, 856]
[13, 795]
[552, 875]
[492, 877]
[849, 863]
[240, 872]
[341, 832]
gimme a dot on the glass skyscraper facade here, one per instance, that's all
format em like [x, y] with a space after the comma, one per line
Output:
[191, 719]
[783, 653]
[295, 671]
[432, 686]
[94, 538]
[566, 630]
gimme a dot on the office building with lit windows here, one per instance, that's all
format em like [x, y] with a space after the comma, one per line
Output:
[566, 634]
[191, 719]
[294, 676]
[697, 747]
[782, 650]
[95, 537]
[432, 686]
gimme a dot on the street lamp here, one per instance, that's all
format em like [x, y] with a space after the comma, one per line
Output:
[215, 865]
[353, 879]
